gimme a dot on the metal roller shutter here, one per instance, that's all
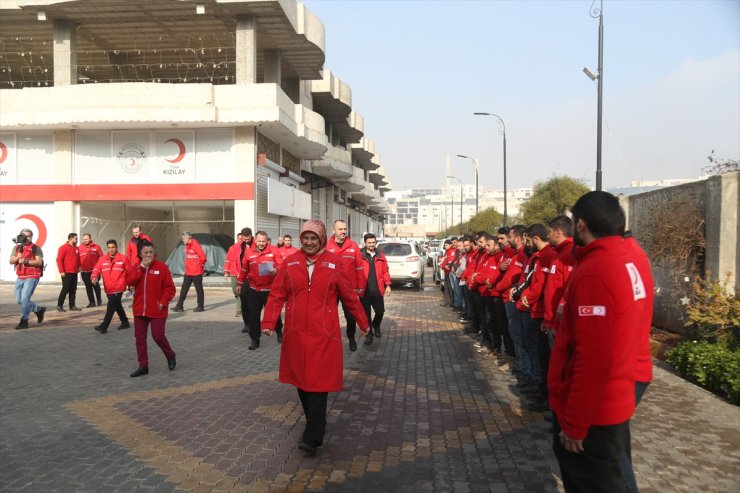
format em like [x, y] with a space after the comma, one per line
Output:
[269, 223]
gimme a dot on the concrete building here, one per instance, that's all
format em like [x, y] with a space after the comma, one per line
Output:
[175, 115]
[425, 212]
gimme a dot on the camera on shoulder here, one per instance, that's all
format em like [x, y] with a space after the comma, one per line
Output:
[21, 240]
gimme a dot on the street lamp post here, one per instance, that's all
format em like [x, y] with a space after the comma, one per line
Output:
[598, 12]
[461, 198]
[475, 165]
[502, 130]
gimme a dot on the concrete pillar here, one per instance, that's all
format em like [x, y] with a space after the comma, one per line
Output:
[723, 229]
[65, 211]
[245, 150]
[246, 49]
[65, 53]
[291, 87]
[272, 67]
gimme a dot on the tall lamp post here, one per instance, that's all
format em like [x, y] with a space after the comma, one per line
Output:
[475, 165]
[461, 198]
[598, 12]
[502, 131]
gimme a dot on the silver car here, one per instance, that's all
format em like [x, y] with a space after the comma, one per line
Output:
[405, 261]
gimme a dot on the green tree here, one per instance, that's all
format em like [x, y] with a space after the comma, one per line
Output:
[486, 220]
[551, 198]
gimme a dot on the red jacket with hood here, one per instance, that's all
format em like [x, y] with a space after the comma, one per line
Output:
[591, 379]
[113, 271]
[153, 286]
[195, 258]
[382, 274]
[557, 276]
[132, 251]
[350, 263]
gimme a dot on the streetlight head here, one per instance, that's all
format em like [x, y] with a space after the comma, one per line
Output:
[461, 155]
[590, 74]
[481, 113]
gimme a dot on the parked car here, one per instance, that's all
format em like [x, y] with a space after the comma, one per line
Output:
[405, 262]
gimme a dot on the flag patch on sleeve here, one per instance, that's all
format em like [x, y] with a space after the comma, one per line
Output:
[592, 311]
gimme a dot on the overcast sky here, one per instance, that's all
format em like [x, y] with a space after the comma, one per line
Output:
[419, 69]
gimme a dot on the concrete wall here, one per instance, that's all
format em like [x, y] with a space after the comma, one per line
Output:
[715, 200]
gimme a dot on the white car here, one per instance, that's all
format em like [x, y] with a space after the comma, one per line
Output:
[405, 262]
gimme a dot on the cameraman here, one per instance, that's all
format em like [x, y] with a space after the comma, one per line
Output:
[29, 261]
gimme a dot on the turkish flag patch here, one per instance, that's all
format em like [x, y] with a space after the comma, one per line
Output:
[592, 311]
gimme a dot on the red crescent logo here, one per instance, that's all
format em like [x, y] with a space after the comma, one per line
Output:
[181, 146]
[3, 153]
[40, 226]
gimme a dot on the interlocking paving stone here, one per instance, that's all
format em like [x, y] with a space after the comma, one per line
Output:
[421, 411]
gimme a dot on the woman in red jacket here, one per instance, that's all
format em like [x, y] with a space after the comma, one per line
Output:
[311, 354]
[153, 291]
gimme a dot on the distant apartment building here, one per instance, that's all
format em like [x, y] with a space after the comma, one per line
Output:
[425, 212]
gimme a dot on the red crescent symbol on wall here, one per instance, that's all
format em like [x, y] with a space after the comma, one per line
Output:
[3, 153]
[36, 220]
[181, 146]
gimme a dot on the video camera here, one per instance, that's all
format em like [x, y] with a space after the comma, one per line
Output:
[21, 240]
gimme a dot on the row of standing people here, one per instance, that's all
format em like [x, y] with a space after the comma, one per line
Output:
[567, 309]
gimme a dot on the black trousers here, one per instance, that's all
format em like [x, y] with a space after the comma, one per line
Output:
[596, 469]
[256, 301]
[114, 306]
[93, 290]
[314, 407]
[373, 299]
[351, 322]
[69, 286]
[243, 295]
[488, 315]
[478, 309]
[197, 281]
[500, 327]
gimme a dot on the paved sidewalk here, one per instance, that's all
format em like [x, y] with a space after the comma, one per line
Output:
[421, 411]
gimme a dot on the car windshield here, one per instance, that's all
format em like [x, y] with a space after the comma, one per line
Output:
[395, 249]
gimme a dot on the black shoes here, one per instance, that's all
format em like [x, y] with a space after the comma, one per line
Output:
[91, 305]
[22, 325]
[171, 363]
[40, 314]
[310, 450]
[377, 332]
[255, 344]
[178, 309]
[144, 370]
[101, 329]
[100, 303]
[245, 329]
[199, 309]
[75, 309]
[352, 345]
[368, 339]
[61, 309]
[125, 325]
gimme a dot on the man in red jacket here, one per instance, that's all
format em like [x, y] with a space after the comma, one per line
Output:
[134, 245]
[351, 266]
[195, 259]
[68, 261]
[591, 380]
[89, 255]
[512, 266]
[259, 267]
[112, 268]
[378, 284]
[28, 261]
[232, 267]
[560, 233]
[287, 249]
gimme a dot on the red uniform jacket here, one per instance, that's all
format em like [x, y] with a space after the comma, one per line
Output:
[351, 261]
[535, 293]
[644, 367]
[89, 256]
[311, 353]
[195, 258]
[68, 259]
[449, 257]
[286, 252]
[591, 379]
[232, 264]
[513, 271]
[152, 287]
[560, 270]
[382, 274]
[471, 264]
[113, 270]
[132, 250]
[487, 269]
[25, 271]
[254, 260]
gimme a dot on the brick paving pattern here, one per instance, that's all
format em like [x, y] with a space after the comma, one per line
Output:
[421, 411]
